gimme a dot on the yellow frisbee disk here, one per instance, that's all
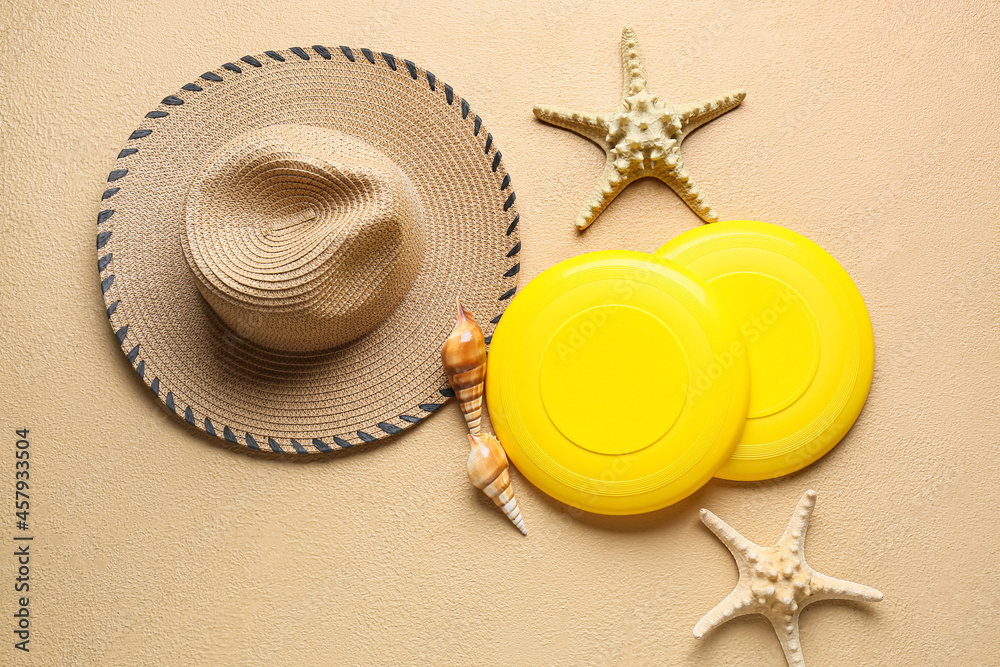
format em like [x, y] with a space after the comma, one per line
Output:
[590, 381]
[808, 339]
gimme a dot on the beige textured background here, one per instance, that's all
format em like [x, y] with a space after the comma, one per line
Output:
[869, 127]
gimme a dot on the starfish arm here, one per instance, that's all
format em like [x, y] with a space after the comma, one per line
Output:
[677, 177]
[788, 635]
[611, 182]
[590, 125]
[633, 71]
[743, 550]
[826, 588]
[736, 604]
[696, 114]
[795, 533]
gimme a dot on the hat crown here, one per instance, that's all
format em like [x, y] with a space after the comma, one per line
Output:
[301, 238]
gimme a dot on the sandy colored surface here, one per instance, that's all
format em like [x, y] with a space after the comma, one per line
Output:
[871, 130]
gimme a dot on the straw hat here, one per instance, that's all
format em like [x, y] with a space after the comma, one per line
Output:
[282, 241]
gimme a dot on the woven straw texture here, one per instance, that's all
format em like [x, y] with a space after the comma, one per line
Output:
[211, 200]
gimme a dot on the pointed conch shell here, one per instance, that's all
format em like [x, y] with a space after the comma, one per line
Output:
[488, 471]
[464, 359]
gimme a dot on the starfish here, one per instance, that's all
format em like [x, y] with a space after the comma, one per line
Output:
[776, 582]
[642, 137]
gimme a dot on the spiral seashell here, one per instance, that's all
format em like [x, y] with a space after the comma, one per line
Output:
[464, 357]
[489, 472]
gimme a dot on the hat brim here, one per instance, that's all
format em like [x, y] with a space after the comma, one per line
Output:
[376, 386]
